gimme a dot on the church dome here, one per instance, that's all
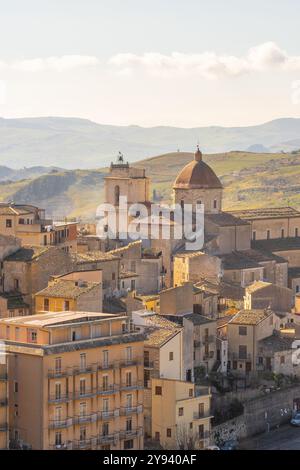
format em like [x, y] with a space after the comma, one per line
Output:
[197, 175]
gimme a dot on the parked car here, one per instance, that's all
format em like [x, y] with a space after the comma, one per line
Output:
[232, 444]
[295, 421]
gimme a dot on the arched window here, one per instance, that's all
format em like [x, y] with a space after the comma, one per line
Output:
[117, 195]
[215, 204]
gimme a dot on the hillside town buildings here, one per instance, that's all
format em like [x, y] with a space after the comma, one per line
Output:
[122, 342]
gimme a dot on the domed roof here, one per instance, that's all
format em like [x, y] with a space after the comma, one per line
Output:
[197, 175]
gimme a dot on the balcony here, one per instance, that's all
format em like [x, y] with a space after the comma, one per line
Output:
[107, 439]
[132, 386]
[54, 398]
[149, 364]
[60, 423]
[240, 357]
[82, 444]
[109, 389]
[206, 339]
[130, 362]
[132, 433]
[202, 391]
[126, 411]
[197, 415]
[88, 418]
[87, 393]
[63, 446]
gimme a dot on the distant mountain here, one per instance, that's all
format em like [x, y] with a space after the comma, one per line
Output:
[249, 179]
[9, 174]
[78, 143]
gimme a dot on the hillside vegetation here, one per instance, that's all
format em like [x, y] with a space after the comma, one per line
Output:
[249, 179]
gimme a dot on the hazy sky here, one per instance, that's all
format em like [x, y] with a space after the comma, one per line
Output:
[160, 62]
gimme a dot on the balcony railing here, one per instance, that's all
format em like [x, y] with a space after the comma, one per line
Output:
[83, 444]
[107, 439]
[197, 415]
[91, 368]
[132, 385]
[131, 410]
[60, 423]
[208, 339]
[240, 357]
[131, 433]
[149, 364]
[55, 398]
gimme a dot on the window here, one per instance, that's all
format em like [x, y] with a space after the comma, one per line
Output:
[16, 284]
[57, 390]
[180, 411]
[132, 284]
[113, 276]
[282, 359]
[58, 413]
[242, 352]
[268, 234]
[82, 387]
[129, 424]
[252, 276]
[8, 223]
[32, 335]
[146, 378]
[105, 429]
[128, 379]
[46, 305]
[17, 333]
[296, 232]
[82, 435]
[105, 405]
[105, 382]
[157, 436]
[67, 305]
[16, 387]
[117, 195]
[254, 235]
[158, 390]
[105, 358]
[58, 440]
[242, 330]
[129, 354]
[171, 356]
[215, 204]
[58, 365]
[82, 409]
[169, 432]
[282, 233]
[128, 444]
[297, 289]
[7, 332]
[129, 401]
[201, 431]
[201, 410]
[191, 392]
[21, 221]
[83, 361]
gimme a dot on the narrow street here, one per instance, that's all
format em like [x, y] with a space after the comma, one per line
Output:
[286, 437]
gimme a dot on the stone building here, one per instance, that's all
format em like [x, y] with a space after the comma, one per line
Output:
[27, 270]
[29, 224]
[260, 295]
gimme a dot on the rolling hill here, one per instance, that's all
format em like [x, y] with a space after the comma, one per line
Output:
[249, 179]
[79, 143]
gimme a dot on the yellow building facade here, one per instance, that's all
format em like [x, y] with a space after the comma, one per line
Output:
[75, 381]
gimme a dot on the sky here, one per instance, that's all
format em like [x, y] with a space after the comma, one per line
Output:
[183, 63]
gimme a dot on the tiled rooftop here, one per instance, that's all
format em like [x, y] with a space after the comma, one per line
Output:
[277, 244]
[67, 289]
[250, 317]
[257, 285]
[56, 318]
[95, 255]
[28, 253]
[266, 213]
[162, 330]
[237, 260]
[225, 219]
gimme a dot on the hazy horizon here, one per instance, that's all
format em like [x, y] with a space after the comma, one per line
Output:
[171, 63]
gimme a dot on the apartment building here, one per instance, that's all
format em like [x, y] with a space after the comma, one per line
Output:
[29, 224]
[181, 416]
[3, 401]
[75, 381]
[72, 292]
